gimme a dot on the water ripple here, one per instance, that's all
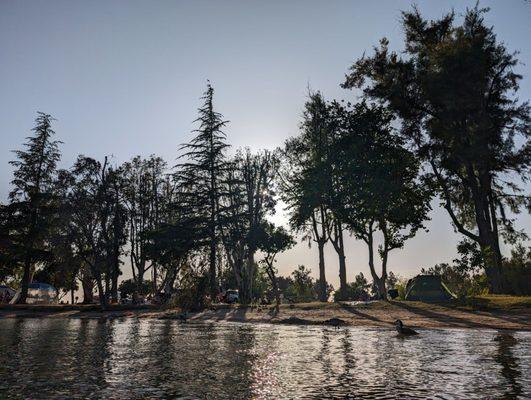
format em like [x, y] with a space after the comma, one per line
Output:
[151, 359]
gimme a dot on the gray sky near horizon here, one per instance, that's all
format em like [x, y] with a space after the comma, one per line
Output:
[124, 78]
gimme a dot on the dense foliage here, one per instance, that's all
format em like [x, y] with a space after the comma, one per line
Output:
[438, 121]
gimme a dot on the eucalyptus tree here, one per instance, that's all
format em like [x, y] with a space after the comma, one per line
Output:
[380, 192]
[454, 91]
[174, 237]
[200, 178]
[144, 181]
[97, 222]
[305, 179]
[33, 206]
[337, 119]
[62, 269]
[249, 198]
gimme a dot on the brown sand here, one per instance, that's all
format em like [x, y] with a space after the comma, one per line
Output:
[379, 314]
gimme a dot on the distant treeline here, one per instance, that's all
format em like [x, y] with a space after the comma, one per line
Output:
[439, 121]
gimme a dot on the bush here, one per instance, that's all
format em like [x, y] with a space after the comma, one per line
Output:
[460, 281]
[193, 293]
[517, 271]
[303, 288]
[357, 290]
[401, 286]
[127, 287]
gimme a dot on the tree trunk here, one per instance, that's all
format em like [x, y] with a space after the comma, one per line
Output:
[342, 273]
[321, 239]
[379, 282]
[486, 223]
[88, 290]
[25, 281]
[212, 269]
[169, 280]
[382, 290]
[275, 291]
[485, 218]
[114, 285]
[274, 285]
[155, 277]
[107, 287]
[140, 280]
[240, 283]
[115, 262]
[340, 249]
[101, 293]
[250, 275]
[72, 299]
[322, 279]
[493, 266]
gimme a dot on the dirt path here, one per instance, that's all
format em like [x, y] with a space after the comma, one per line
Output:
[381, 314]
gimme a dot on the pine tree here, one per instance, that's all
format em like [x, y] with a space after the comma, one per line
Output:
[200, 179]
[32, 199]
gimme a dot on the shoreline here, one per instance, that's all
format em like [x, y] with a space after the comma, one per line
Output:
[375, 314]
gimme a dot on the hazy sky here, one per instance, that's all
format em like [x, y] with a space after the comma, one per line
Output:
[124, 78]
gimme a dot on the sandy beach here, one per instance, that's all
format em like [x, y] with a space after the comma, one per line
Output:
[513, 316]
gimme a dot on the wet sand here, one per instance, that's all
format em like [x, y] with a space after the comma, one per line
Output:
[377, 314]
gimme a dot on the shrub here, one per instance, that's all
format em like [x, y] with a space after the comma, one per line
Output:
[517, 271]
[193, 293]
[401, 286]
[357, 290]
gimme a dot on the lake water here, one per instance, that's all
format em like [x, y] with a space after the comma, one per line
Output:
[152, 359]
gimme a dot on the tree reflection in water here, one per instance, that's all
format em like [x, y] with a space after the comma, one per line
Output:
[144, 358]
[510, 371]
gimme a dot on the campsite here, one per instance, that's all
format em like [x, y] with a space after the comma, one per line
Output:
[281, 199]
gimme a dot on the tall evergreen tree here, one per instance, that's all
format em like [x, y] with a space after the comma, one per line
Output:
[32, 197]
[200, 179]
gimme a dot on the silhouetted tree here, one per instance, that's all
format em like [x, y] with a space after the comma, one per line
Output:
[144, 200]
[199, 178]
[271, 241]
[32, 206]
[379, 189]
[97, 221]
[305, 179]
[250, 196]
[453, 91]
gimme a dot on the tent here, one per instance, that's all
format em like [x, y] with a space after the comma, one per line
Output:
[428, 288]
[38, 293]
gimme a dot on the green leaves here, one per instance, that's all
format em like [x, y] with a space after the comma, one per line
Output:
[454, 92]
